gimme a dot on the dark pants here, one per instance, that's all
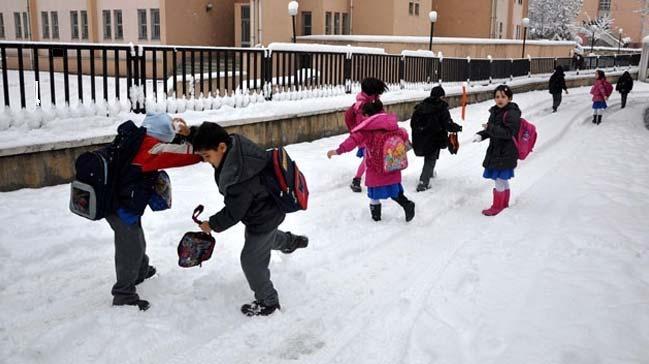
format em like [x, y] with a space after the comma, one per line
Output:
[556, 100]
[255, 257]
[429, 167]
[624, 96]
[131, 261]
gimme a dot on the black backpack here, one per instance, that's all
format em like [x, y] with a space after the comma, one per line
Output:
[284, 181]
[92, 193]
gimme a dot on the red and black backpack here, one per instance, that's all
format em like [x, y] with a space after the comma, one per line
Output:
[285, 182]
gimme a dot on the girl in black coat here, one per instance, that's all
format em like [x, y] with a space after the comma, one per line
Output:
[431, 122]
[624, 86]
[557, 85]
[502, 155]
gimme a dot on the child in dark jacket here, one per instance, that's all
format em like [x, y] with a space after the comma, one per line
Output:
[502, 156]
[371, 89]
[624, 86]
[136, 190]
[239, 165]
[431, 122]
[556, 85]
[380, 184]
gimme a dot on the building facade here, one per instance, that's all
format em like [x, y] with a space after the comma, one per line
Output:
[627, 15]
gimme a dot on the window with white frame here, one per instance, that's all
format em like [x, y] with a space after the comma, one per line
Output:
[84, 24]
[74, 24]
[328, 22]
[54, 17]
[346, 23]
[26, 30]
[307, 24]
[108, 26]
[45, 24]
[119, 27]
[155, 24]
[337, 23]
[17, 26]
[141, 24]
[2, 26]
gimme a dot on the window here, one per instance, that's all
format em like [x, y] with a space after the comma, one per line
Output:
[417, 9]
[2, 26]
[411, 8]
[337, 23]
[346, 23]
[306, 23]
[119, 29]
[501, 30]
[26, 26]
[155, 24]
[54, 16]
[45, 24]
[328, 22]
[18, 27]
[74, 24]
[108, 28]
[84, 24]
[604, 5]
[245, 26]
[141, 23]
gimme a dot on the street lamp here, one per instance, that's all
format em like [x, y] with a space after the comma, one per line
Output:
[526, 23]
[292, 11]
[433, 18]
[619, 40]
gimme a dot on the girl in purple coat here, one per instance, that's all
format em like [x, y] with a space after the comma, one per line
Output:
[600, 96]
[371, 133]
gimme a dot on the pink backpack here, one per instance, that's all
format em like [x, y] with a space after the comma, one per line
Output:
[608, 88]
[392, 153]
[526, 138]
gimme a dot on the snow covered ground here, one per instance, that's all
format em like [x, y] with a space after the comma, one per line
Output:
[560, 277]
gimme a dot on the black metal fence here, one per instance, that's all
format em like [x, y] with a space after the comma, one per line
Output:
[113, 72]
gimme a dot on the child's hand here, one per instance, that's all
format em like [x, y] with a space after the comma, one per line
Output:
[181, 126]
[331, 153]
[205, 226]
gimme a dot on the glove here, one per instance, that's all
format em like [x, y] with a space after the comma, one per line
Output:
[477, 138]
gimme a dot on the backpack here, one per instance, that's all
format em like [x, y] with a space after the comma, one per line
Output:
[608, 88]
[92, 193]
[392, 153]
[285, 182]
[525, 139]
[195, 247]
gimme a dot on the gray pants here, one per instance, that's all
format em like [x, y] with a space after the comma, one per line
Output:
[556, 100]
[429, 167]
[255, 257]
[131, 261]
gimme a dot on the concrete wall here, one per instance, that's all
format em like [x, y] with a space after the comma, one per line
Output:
[38, 167]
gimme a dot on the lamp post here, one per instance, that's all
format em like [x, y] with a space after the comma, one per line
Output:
[619, 40]
[433, 18]
[292, 11]
[526, 23]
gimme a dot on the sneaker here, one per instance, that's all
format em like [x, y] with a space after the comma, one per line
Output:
[422, 187]
[256, 308]
[298, 242]
[150, 273]
[143, 305]
[356, 185]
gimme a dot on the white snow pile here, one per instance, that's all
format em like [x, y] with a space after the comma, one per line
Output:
[560, 277]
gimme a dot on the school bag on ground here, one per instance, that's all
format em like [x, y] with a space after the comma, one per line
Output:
[92, 193]
[195, 247]
[392, 154]
[285, 182]
[525, 139]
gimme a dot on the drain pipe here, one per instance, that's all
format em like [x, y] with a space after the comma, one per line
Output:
[351, 16]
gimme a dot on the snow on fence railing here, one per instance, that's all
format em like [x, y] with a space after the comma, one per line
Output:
[60, 78]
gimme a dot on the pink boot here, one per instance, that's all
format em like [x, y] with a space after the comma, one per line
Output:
[500, 197]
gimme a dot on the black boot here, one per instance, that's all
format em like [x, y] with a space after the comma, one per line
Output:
[408, 206]
[356, 185]
[150, 273]
[297, 242]
[143, 305]
[422, 186]
[594, 119]
[554, 109]
[599, 119]
[375, 210]
[256, 308]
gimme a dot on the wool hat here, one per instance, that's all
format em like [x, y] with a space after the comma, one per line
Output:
[437, 92]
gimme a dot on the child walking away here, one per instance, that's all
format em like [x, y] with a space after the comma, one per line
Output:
[601, 91]
[239, 167]
[557, 86]
[386, 149]
[138, 187]
[502, 154]
[624, 86]
[371, 89]
[431, 122]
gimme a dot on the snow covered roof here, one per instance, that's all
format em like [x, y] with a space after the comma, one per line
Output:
[418, 39]
[323, 48]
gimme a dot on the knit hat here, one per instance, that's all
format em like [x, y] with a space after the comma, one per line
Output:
[437, 92]
[159, 126]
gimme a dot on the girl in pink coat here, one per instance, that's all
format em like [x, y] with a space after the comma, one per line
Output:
[601, 90]
[371, 88]
[375, 132]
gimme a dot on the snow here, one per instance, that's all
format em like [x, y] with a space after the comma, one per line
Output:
[425, 39]
[418, 53]
[319, 48]
[560, 277]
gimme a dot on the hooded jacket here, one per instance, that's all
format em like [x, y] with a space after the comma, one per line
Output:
[625, 83]
[557, 82]
[354, 115]
[246, 198]
[502, 152]
[599, 91]
[431, 122]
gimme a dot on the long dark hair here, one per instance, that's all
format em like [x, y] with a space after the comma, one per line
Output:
[600, 75]
[372, 108]
[373, 86]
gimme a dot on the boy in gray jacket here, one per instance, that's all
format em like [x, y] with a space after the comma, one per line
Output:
[238, 167]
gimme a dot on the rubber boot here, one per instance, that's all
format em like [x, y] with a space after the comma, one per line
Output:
[356, 185]
[408, 206]
[599, 119]
[499, 198]
[375, 211]
[595, 119]
[507, 195]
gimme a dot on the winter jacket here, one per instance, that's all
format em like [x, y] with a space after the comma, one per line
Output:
[557, 82]
[624, 84]
[135, 185]
[599, 91]
[502, 153]
[354, 115]
[239, 179]
[367, 134]
[431, 122]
